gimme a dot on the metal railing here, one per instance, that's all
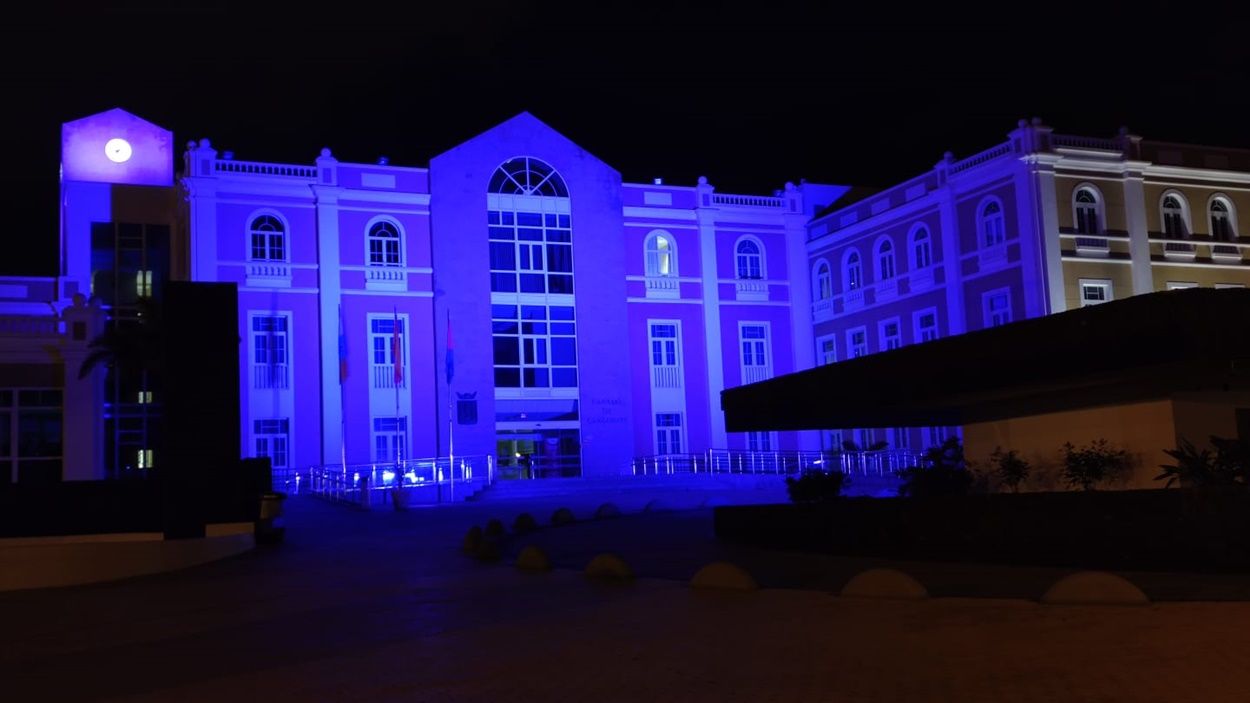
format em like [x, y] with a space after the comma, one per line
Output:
[30, 326]
[425, 481]
[269, 376]
[257, 168]
[748, 200]
[1073, 141]
[884, 462]
[980, 158]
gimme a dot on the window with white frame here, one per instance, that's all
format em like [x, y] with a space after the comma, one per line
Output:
[864, 437]
[885, 260]
[852, 270]
[388, 347]
[826, 350]
[270, 351]
[857, 342]
[921, 248]
[937, 435]
[268, 238]
[384, 244]
[390, 439]
[668, 439]
[1219, 286]
[530, 252]
[1173, 210]
[535, 346]
[753, 339]
[1085, 211]
[993, 227]
[891, 334]
[1221, 216]
[824, 281]
[833, 441]
[272, 438]
[665, 347]
[1180, 285]
[750, 259]
[997, 307]
[31, 435]
[1094, 291]
[900, 437]
[759, 441]
[661, 254]
[925, 324]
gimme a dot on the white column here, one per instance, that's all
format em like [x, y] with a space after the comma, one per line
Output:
[951, 252]
[326, 196]
[202, 196]
[1138, 236]
[1048, 211]
[706, 217]
[803, 345]
[83, 456]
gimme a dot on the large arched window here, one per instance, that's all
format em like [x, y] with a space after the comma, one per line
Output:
[822, 281]
[921, 248]
[661, 252]
[885, 260]
[1085, 211]
[750, 259]
[385, 244]
[1175, 220]
[524, 175]
[992, 226]
[268, 238]
[852, 270]
[1223, 227]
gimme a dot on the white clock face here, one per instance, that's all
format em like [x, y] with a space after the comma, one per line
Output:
[118, 150]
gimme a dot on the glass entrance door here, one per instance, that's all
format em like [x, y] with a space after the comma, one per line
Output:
[539, 453]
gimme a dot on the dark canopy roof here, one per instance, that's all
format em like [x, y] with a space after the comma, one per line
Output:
[1141, 348]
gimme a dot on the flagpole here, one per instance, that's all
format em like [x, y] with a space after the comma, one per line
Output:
[451, 426]
[342, 391]
[397, 348]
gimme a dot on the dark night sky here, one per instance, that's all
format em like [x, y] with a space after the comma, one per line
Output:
[748, 95]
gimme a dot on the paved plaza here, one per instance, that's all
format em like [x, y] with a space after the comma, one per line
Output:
[381, 606]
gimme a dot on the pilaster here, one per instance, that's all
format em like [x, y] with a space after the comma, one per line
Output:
[705, 215]
[956, 319]
[1138, 235]
[329, 299]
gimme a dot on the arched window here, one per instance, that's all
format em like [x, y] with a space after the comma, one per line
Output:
[661, 251]
[1085, 211]
[823, 283]
[268, 236]
[852, 270]
[524, 175]
[384, 244]
[750, 259]
[1173, 208]
[529, 230]
[993, 229]
[921, 248]
[885, 260]
[1222, 228]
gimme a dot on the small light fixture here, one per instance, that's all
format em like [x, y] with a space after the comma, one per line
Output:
[658, 181]
[382, 161]
[227, 155]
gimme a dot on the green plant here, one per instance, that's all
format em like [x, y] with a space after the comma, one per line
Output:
[1089, 466]
[1226, 467]
[1010, 469]
[816, 485]
[943, 472]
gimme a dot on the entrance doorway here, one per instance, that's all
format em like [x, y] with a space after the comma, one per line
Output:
[538, 453]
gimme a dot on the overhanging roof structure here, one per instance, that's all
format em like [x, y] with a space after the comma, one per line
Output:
[1142, 348]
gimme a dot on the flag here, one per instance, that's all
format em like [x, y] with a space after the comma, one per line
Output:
[397, 351]
[451, 352]
[342, 348]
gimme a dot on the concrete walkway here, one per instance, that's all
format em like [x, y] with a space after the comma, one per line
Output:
[382, 607]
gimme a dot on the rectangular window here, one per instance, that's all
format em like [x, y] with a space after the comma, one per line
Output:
[272, 438]
[863, 437]
[753, 341]
[270, 351]
[759, 441]
[997, 307]
[826, 350]
[30, 435]
[925, 324]
[1178, 285]
[390, 439]
[388, 351]
[535, 346]
[857, 342]
[937, 435]
[530, 253]
[1094, 291]
[890, 333]
[665, 352]
[900, 438]
[668, 439]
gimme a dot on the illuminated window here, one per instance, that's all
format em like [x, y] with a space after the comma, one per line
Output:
[535, 346]
[388, 345]
[1222, 228]
[885, 260]
[1174, 217]
[390, 439]
[753, 340]
[661, 254]
[384, 244]
[997, 307]
[921, 248]
[269, 351]
[824, 281]
[750, 259]
[668, 439]
[925, 324]
[852, 270]
[1094, 291]
[143, 284]
[268, 236]
[271, 438]
[665, 354]
[993, 228]
[1085, 211]
[524, 175]
[145, 397]
[890, 333]
[857, 342]
[826, 350]
[144, 459]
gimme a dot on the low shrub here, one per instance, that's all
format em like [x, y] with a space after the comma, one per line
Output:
[1009, 468]
[1098, 463]
[1226, 467]
[816, 485]
[943, 472]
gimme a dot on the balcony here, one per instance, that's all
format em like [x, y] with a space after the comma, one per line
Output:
[1225, 254]
[30, 326]
[1094, 247]
[886, 290]
[386, 278]
[666, 376]
[992, 257]
[663, 287]
[921, 279]
[270, 376]
[755, 374]
[269, 274]
[853, 300]
[822, 310]
[1179, 251]
[384, 377]
[752, 289]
